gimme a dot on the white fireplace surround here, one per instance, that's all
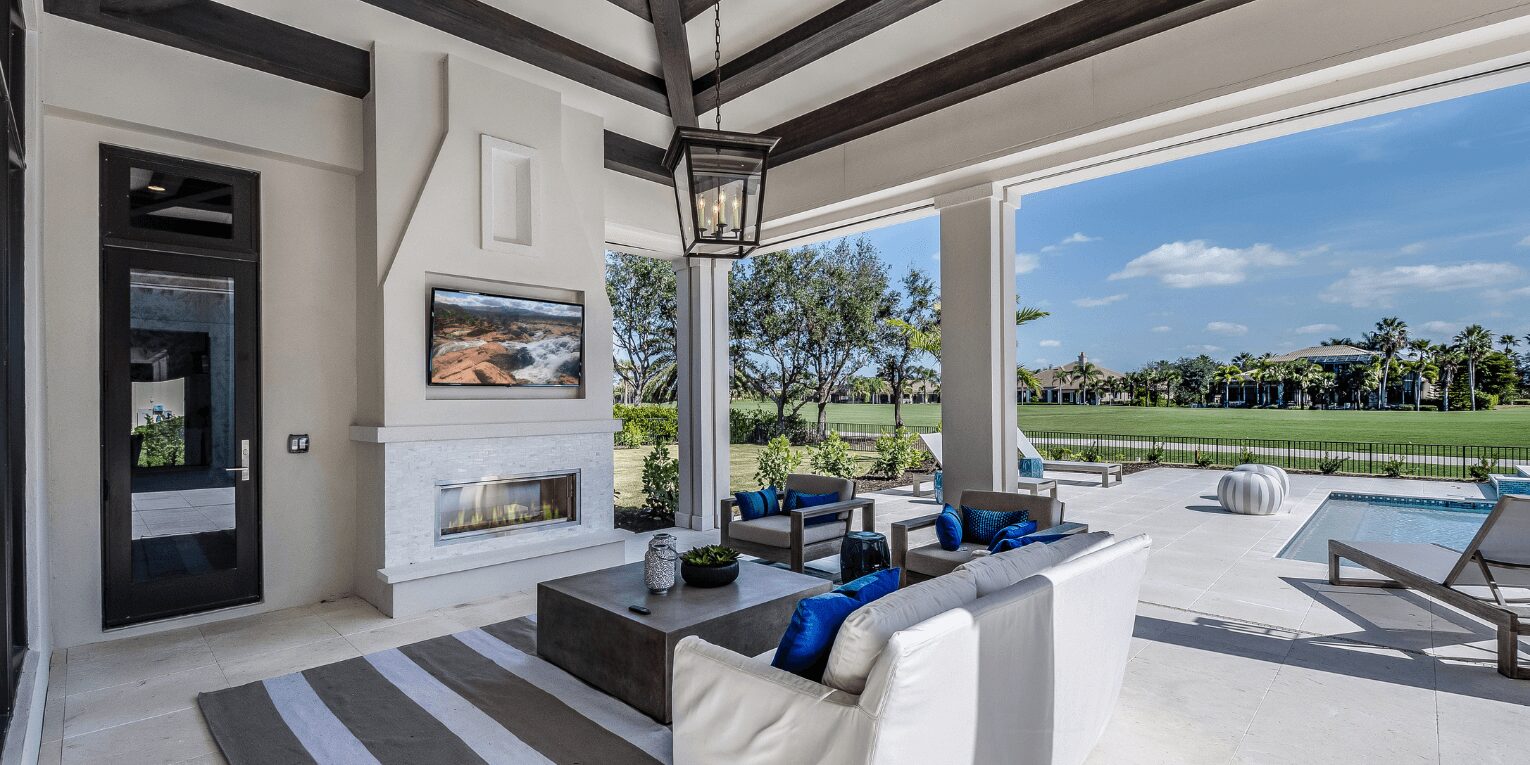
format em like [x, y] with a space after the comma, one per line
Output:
[417, 573]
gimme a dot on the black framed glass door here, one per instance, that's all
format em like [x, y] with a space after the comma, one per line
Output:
[13, 590]
[180, 428]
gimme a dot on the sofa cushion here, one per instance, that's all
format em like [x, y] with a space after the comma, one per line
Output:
[934, 560]
[948, 529]
[1009, 537]
[757, 504]
[804, 647]
[796, 500]
[992, 573]
[979, 525]
[866, 632]
[776, 531]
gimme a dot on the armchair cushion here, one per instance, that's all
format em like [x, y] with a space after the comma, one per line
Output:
[866, 631]
[979, 525]
[753, 505]
[933, 560]
[796, 500]
[776, 531]
[948, 529]
[871, 586]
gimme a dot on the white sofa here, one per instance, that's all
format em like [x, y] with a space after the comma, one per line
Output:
[1025, 669]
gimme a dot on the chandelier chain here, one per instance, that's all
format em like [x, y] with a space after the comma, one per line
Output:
[717, 59]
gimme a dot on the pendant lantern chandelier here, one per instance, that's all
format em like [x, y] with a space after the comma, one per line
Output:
[719, 180]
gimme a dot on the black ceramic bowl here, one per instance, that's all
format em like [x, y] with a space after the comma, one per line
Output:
[708, 576]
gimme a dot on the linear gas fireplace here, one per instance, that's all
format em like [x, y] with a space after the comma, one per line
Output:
[499, 505]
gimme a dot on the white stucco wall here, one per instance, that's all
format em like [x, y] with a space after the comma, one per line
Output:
[306, 144]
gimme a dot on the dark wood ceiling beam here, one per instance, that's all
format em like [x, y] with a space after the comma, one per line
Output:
[512, 36]
[636, 158]
[228, 34]
[1079, 31]
[846, 22]
[689, 9]
[674, 60]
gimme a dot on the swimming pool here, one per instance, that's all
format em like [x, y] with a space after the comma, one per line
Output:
[1380, 518]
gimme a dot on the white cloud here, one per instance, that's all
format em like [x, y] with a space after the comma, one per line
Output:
[1414, 248]
[1443, 328]
[1077, 237]
[1525, 242]
[1162, 328]
[1227, 328]
[1026, 263]
[1049, 343]
[1208, 349]
[936, 257]
[1097, 302]
[1375, 287]
[1316, 329]
[1199, 264]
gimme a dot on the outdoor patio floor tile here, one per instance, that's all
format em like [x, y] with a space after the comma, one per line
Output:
[1237, 655]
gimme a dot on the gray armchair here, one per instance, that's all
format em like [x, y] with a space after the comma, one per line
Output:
[930, 560]
[786, 538]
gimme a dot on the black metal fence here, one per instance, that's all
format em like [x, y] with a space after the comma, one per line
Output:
[1354, 457]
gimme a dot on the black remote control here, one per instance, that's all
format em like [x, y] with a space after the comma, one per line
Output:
[636, 609]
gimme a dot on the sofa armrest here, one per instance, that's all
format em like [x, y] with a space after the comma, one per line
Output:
[899, 540]
[725, 516]
[788, 719]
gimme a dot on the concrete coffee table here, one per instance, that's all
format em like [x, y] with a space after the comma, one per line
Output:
[584, 626]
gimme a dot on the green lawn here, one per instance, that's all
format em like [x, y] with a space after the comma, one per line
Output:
[742, 459]
[1506, 426]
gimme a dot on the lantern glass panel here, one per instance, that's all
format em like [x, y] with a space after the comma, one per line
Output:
[685, 200]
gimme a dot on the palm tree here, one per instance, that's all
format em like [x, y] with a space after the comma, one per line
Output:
[1420, 367]
[1475, 343]
[1026, 379]
[1263, 370]
[1509, 343]
[1243, 360]
[1227, 374]
[1391, 336]
[1087, 374]
[1448, 359]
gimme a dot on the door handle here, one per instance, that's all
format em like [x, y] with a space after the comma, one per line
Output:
[244, 461]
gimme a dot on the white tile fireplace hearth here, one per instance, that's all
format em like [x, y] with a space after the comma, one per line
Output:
[416, 480]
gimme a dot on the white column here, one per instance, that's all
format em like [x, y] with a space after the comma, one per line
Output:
[977, 324]
[701, 341]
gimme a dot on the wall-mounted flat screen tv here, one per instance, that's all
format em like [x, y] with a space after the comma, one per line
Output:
[479, 339]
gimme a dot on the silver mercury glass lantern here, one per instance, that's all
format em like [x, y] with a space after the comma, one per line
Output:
[659, 563]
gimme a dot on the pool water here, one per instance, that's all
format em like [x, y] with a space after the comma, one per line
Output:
[1377, 518]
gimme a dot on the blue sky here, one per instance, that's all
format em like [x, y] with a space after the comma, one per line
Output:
[1423, 214]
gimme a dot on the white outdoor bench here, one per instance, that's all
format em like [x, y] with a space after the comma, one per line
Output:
[1104, 469]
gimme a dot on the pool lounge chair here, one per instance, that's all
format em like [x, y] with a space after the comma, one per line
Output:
[1474, 580]
[932, 444]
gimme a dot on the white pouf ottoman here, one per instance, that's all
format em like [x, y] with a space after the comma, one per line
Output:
[1270, 470]
[1248, 493]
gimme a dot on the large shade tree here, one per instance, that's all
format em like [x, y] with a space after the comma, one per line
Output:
[642, 295]
[904, 335]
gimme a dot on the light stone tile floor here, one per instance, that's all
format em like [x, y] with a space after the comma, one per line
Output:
[1239, 656]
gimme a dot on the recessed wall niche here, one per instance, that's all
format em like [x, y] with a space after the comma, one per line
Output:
[509, 197]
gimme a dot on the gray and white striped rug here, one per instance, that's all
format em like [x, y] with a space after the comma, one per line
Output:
[480, 696]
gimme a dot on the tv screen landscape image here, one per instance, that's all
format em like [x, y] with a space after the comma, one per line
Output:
[478, 339]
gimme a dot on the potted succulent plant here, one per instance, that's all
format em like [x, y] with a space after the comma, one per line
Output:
[710, 566]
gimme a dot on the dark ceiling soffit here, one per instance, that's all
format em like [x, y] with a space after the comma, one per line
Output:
[636, 158]
[232, 35]
[1072, 34]
[841, 25]
[674, 60]
[514, 37]
[689, 9]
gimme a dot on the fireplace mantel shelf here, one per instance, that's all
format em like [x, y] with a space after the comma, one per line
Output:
[560, 544]
[387, 434]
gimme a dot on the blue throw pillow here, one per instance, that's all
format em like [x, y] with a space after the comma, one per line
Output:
[1003, 545]
[796, 500]
[753, 505]
[948, 529]
[1011, 533]
[804, 647]
[980, 525]
[871, 586]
